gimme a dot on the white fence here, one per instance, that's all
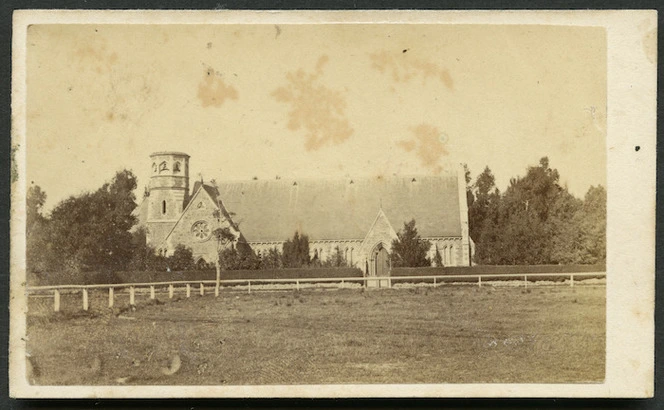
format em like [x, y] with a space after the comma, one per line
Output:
[296, 284]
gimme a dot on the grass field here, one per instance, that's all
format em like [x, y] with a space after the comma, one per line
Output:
[459, 334]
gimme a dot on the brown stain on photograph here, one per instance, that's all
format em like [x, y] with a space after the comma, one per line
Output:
[96, 58]
[213, 91]
[650, 45]
[319, 110]
[427, 145]
[404, 67]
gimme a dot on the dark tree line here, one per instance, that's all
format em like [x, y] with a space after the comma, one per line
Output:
[295, 253]
[94, 231]
[88, 232]
[536, 220]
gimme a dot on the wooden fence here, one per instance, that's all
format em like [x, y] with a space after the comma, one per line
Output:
[296, 284]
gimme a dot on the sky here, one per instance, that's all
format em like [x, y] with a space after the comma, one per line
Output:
[313, 101]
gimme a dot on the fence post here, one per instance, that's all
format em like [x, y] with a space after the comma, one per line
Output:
[170, 291]
[188, 290]
[85, 299]
[525, 281]
[56, 300]
[479, 281]
[297, 285]
[132, 296]
[151, 292]
[571, 280]
[202, 289]
[216, 290]
[248, 286]
[110, 297]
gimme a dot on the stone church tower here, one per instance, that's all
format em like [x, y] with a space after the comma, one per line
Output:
[357, 218]
[168, 193]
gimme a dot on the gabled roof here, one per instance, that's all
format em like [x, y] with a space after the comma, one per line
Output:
[381, 221]
[195, 193]
[273, 210]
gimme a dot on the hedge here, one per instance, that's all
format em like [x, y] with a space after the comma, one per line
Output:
[89, 278]
[493, 269]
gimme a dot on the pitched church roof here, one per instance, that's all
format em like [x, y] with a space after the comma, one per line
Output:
[273, 210]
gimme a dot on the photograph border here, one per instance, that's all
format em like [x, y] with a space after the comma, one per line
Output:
[631, 202]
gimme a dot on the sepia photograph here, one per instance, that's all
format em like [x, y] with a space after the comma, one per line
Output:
[318, 204]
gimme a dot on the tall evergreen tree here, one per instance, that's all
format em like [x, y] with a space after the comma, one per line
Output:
[296, 251]
[409, 250]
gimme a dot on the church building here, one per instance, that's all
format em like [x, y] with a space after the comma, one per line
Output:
[360, 216]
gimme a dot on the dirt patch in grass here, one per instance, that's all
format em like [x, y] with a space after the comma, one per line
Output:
[441, 335]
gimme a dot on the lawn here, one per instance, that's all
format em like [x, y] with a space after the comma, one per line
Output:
[449, 334]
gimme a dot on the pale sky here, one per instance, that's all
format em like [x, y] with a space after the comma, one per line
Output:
[313, 101]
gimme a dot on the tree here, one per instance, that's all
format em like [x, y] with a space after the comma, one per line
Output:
[182, 258]
[91, 231]
[409, 250]
[470, 198]
[143, 255]
[485, 197]
[581, 238]
[594, 224]
[337, 259]
[272, 259]
[38, 247]
[35, 200]
[246, 257]
[239, 256]
[438, 259]
[536, 221]
[228, 258]
[296, 251]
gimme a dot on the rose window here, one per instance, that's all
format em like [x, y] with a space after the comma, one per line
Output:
[201, 230]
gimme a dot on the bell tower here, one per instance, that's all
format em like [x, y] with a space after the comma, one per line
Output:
[168, 192]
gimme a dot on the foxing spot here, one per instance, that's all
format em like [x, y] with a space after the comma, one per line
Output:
[319, 110]
[404, 67]
[213, 91]
[427, 144]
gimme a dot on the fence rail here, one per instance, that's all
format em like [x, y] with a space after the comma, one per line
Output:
[368, 281]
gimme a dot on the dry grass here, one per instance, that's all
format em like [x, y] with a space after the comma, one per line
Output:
[456, 334]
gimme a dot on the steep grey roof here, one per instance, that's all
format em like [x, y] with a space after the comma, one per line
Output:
[273, 210]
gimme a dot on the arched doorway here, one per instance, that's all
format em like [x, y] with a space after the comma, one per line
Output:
[201, 264]
[380, 266]
[381, 261]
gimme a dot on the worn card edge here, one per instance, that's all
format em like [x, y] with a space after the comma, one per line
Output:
[631, 121]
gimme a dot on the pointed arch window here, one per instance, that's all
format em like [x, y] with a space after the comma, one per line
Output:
[176, 167]
[154, 167]
[163, 166]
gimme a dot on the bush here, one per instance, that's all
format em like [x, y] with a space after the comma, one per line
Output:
[496, 269]
[87, 278]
